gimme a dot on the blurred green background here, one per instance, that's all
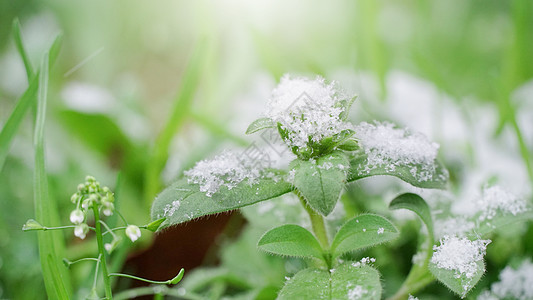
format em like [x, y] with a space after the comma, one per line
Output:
[148, 88]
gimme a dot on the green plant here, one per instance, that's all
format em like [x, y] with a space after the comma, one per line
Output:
[310, 117]
[91, 197]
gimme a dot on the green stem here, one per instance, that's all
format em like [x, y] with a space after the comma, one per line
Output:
[69, 263]
[319, 228]
[419, 276]
[101, 250]
[174, 280]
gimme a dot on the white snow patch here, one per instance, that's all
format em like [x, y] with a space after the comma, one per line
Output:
[390, 147]
[515, 283]
[227, 169]
[170, 209]
[495, 199]
[307, 108]
[355, 292]
[459, 254]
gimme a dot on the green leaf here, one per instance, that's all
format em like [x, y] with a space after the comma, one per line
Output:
[345, 282]
[500, 220]
[416, 204]
[363, 231]
[153, 226]
[321, 181]
[346, 105]
[31, 224]
[291, 240]
[182, 202]
[460, 285]
[260, 124]
[327, 145]
[348, 145]
[358, 165]
[177, 278]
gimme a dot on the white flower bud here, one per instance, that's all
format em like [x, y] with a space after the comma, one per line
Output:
[108, 208]
[81, 230]
[133, 232]
[77, 216]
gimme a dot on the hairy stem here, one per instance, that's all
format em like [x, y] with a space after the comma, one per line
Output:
[319, 228]
[101, 250]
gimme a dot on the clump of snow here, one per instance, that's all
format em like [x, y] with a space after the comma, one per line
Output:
[390, 147]
[495, 199]
[363, 262]
[307, 108]
[513, 284]
[355, 292]
[227, 169]
[381, 230]
[411, 297]
[170, 209]
[459, 254]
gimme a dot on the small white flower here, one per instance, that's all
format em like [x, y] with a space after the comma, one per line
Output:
[81, 230]
[77, 216]
[109, 247]
[133, 232]
[108, 208]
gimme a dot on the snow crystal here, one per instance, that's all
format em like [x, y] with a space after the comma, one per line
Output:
[515, 284]
[390, 147]
[307, 108]
[459, 254]
[355, 292]
[495, 199]
[411, 297]
[227, 169]
[381, 230]
[170, 209]
[363, 262]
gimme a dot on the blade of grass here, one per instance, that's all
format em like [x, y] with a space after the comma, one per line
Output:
[178, 114]
[55, 274]
[15, 119]
[17, 35]
[27, 99]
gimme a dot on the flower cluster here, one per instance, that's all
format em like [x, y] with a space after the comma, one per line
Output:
[89, 194]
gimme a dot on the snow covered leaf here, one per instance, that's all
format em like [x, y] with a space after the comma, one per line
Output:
[498, 207]
[345, 282]
[358, 170]
[361, 232]
[458, 263]
[459, 285]
[416, 204]
[321, 181]
[387, 150]
[260, 124]
[291, 240]
[182, 202]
